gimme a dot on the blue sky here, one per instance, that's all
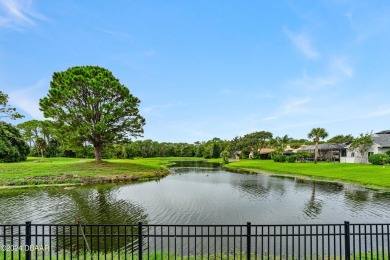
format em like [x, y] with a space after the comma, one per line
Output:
[205, 69]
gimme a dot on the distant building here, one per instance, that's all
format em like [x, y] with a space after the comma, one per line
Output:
[328, 152]
[380, 144]
[265, 153]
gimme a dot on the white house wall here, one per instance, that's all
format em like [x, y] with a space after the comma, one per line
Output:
[375, 148]
[347, 159]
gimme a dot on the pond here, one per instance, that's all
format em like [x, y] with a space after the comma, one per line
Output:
[199, 193]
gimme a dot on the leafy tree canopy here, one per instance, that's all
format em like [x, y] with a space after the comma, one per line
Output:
[341, 139]
[256, 140]
[89, 104]
[12, 146]
[6, 110]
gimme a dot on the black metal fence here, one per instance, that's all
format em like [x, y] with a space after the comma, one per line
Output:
[143, 241]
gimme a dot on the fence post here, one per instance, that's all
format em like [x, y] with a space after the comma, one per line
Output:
[140, 241]
[347, 240]
[28, 240]
[248, 240]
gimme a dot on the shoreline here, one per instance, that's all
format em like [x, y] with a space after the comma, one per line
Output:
[307, 178]
[133, 171]
[322, 178]
[125, 179]
[63, 172]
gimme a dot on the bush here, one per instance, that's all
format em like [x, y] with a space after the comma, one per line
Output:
[291, 159]
[303, 155]
[388, 152]
[225, 156]
[378, 159]
[12, 146]
[279, 158]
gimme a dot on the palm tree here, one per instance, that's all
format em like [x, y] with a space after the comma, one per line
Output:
[283, 141]
[317, 134]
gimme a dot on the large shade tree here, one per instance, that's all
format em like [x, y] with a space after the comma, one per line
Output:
[90, 104]
[317, 134]
[257, 140]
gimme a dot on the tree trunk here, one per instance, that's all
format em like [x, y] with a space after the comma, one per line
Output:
[316, 152]
[362, 156]
[98, 152]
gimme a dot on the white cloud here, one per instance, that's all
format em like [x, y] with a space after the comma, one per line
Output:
[378, 113]
[341, 67]
[270, 118]
[294, 105]
[27, 99]
[314, 83]
[337, 71]
[18, 14]
[303, 43]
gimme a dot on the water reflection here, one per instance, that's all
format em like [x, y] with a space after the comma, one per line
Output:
[90, 205]
[194, 194]
[313, 206]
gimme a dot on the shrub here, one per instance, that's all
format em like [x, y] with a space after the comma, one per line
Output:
[225, 156]
[291, 159]
[303, 155]
[378, 159]
[279, 158]
[388, 152]
[12, 146]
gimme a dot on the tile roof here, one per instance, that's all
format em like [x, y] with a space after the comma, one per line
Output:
[381, 139]
[335, 146]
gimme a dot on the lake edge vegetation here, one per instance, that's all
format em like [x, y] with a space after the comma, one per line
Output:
[367, 175]
[75, 171]
[91, 115]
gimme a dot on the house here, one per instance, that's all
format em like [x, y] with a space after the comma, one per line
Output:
[380, 144]
[265, 153]
[328, 152]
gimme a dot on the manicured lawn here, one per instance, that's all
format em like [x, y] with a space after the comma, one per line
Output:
[366, 174]
[76, 171]
[35, 171]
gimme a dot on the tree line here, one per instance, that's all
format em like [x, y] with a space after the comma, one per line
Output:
[90, 114]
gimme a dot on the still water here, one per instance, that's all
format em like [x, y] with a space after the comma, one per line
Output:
[199, 193]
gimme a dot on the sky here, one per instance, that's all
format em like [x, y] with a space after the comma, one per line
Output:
[205, 69]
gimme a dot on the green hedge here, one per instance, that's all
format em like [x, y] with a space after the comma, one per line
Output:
[279, 158]
[379, 159]
[291, 159]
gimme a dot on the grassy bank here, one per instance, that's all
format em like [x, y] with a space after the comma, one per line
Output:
[373, 176]
[57, 171]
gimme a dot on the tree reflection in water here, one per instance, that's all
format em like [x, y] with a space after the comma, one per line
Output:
[313, 207]
[97, 206]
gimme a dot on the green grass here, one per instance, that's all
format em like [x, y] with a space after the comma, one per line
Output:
[372, 176]
[59, 171]
[56, 171]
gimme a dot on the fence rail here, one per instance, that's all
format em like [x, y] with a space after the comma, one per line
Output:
[143, 241]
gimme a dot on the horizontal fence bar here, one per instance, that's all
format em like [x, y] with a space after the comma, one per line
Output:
[150, 241]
